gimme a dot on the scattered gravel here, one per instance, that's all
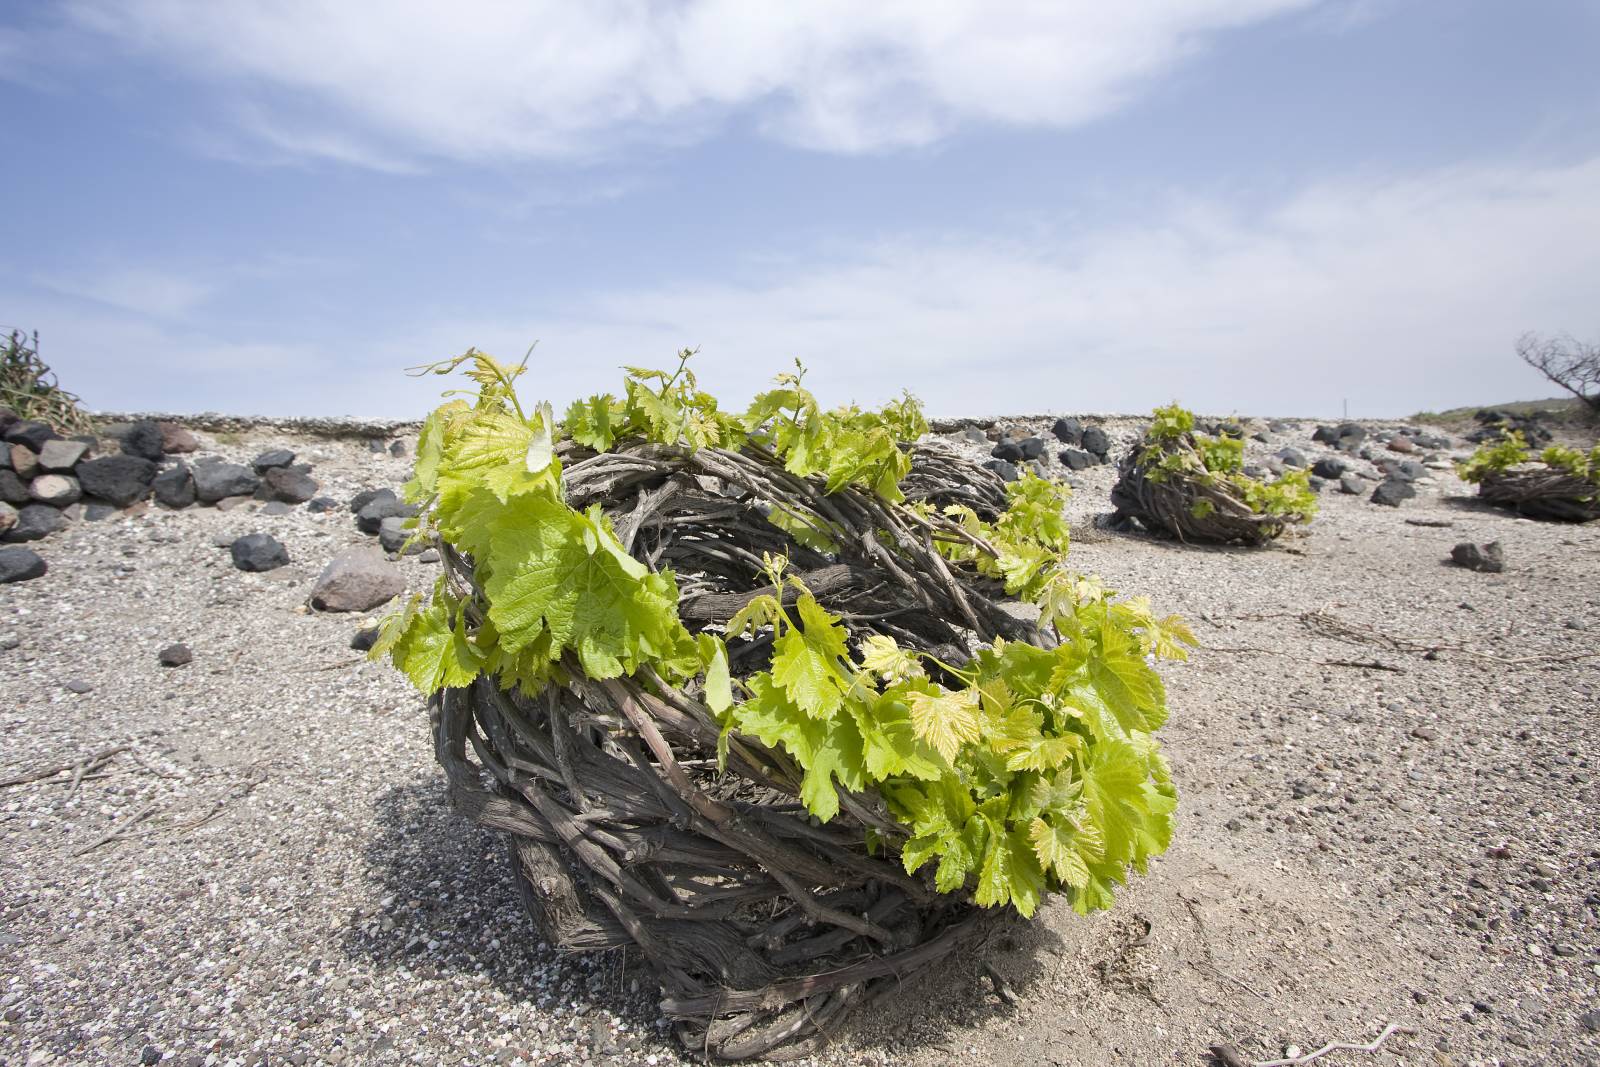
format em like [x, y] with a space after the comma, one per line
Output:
[1385, 817]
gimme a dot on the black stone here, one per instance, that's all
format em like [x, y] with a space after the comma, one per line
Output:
[277, 457]
[367, 496]
[1007, 450]
[118, 480]
[1096, 440]
[20, 565]
[363, 639]
[319, 504]
[392, 534]
[289, 486]
[1032, 447]
[370, 518]
[1391, 492]
[1351, 485]
[1325, 435]
[1316, 484]
[1292, 457]
[397, 448]
[143, 439]
[1003, 468]
[174, 487]
[1329, 467]
[13, 490]
[1489, 558]
[1068, 431]
[1076, 459]
[150, 1056]
[30, 433]
[175, 655]
[258, 552]
[218, 481]
[35, 521]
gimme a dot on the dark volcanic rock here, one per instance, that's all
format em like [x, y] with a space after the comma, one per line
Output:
[1003, 468]
[370, 518]
[1352, 485]
[143, 439]
[1068, 431]
[1292, 457]
[363, 639]
[174, 487]
[20, 565]
[1096, 440]
[258, 552]
[319, 504]
[357, 580]
[277, 457]
[392, 535]
[175, 655]
[1489, 558]
[1007, 450]
[1329, 467]
[1391, 492]
[1032, 447]
[118, 480]
[367, 496]
[1076, 459]
[13, 490]
[30, 433]
[219, 481]
[35, 521]
[289, 485]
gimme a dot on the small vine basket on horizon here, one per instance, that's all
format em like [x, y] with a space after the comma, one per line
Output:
[1192, 486]
[760, 694]
[1557, 484]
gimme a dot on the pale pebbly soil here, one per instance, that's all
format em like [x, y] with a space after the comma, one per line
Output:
[1357, 846]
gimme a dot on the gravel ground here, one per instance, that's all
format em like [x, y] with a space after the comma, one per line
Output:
[264, 871]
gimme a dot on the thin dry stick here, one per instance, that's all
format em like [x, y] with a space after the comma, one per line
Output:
[1337, 1046]
[118, 830]
[94, 759]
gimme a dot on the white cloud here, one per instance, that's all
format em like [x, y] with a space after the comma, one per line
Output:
[1397, 294]
[357, 80]
[141, 290]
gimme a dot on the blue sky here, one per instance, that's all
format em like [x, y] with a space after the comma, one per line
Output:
[1263, 206]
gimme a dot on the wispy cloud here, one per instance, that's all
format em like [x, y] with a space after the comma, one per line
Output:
[1396, 293]
[389, 79]
[139, 289]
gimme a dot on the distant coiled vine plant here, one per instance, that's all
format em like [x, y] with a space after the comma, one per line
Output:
[1192, 485]
[1557, 483]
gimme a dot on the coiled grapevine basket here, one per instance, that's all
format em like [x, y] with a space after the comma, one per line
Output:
[1542, 492]
[1174, 484]
[765, 926]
